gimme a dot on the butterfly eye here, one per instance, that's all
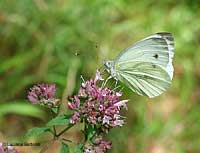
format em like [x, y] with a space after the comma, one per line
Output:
[108, 63]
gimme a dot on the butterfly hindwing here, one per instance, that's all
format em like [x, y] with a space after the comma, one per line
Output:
[144, 78]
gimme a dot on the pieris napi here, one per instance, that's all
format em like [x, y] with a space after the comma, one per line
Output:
[146, 66]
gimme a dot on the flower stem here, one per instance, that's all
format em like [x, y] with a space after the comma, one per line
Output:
[54, 131]
[67, 140]
[63, 131]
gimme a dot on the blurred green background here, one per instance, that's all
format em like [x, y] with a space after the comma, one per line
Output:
[55, 41]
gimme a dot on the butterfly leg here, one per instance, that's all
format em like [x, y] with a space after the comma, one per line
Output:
[116, 88]
[104, 83]
[116, 81]
[121, 89]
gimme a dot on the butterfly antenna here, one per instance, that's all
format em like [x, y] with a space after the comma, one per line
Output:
[116, 83]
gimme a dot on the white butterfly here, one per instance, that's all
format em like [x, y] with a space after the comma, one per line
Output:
[146, 66]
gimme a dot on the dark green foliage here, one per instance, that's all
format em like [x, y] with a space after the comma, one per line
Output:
[79, 149]
[90, 132]
[65, 148]
[59, 120]
[37, 131]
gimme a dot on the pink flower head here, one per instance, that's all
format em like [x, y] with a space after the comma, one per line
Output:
[71, 105]
[76, 117]
[98, 105]
[1, 148]
[98, 76]
[99, 146]
[43, 94]
[7, 149]
[122, 103]
[103, 144]
[10, 149]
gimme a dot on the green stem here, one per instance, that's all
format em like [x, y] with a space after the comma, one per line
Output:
[67, 140]
[54, 131]
[63, 131]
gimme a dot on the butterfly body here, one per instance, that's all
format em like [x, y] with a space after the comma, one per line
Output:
[146, 66]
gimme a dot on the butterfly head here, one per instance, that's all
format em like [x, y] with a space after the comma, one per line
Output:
[108, 64]
[110, 68]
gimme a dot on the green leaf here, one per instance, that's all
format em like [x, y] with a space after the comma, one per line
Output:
[65, 148]
[79, 149]
[37, 131]
[17, 61]
[90, 132]
[21, 108]
[54, 109]
[59, 120]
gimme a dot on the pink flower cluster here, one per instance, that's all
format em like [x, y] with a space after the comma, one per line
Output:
[97, 105]
[7, 149]
[99, 145]
[43, 94]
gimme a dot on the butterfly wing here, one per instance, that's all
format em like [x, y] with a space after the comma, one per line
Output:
[146, 67]
[144, 78]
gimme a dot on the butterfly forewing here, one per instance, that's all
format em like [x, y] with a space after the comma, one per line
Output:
[146, 67]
